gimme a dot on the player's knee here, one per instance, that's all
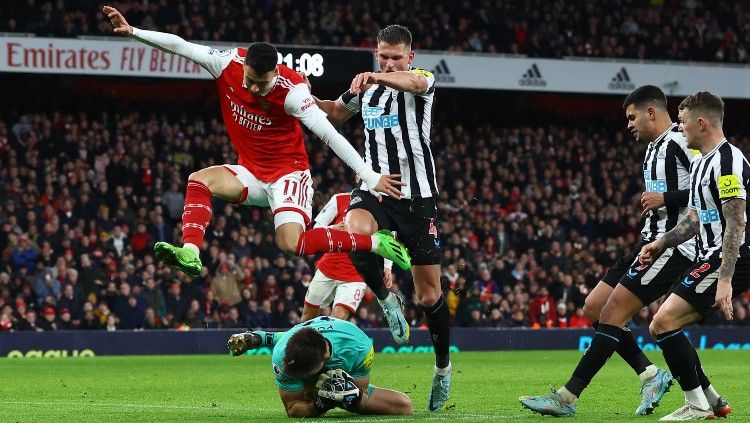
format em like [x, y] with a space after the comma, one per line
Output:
[592, 309]
[340, 313]
[658, 325]
[406, 407]
[361, 226]
[428, 298]
[287, 244]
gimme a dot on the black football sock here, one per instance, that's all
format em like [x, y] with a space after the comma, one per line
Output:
[604, 344]
[370, 268]
[702, 378]
[631, 352]
[438, 323]
[680, 357]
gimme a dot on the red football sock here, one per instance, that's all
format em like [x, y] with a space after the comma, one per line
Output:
[197, 213]
[327, 240]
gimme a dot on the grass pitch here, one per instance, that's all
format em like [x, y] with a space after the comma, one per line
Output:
[486, 387]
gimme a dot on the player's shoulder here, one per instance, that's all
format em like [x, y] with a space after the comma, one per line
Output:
[424, 72]
[342, 196]
[288, 77]
[731, 151]
[238, 54]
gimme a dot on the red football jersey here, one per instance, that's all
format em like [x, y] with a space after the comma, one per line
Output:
[267, 138]
[337, 266]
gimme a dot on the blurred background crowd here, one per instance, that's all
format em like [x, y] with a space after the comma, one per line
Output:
[531, 218]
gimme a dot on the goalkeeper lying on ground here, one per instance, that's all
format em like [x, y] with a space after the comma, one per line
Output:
[322, 364]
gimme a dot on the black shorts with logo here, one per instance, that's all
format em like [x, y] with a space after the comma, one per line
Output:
[650, 282]
[617, 271]
[697, 285]
[414, 220]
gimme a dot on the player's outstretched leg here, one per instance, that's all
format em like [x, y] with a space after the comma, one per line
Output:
[390, 248]
[652, 391]
[181, 258]
[440, 389]
[556, 403]
[393, 311]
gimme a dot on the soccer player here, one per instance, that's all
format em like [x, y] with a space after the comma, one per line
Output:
[263, 103]
[396, 108]
[336, 282]
[718, 216]
[666, 172]
[322, 364]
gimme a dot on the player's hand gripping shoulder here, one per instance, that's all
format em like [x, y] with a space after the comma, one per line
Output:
[119, 23]
[339, 387]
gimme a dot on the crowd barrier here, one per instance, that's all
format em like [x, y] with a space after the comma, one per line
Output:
[91, 343]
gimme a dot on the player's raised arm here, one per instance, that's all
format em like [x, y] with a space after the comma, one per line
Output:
[337, 111]
[415, 81]
[299, 103]
[205, 56]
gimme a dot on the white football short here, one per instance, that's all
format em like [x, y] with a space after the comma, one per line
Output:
[290, 197]
[324, 292]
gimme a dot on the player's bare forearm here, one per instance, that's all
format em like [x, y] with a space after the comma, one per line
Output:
[734, 234]
[402, 81]
[297, 405]
[337, 113]
[686, 229]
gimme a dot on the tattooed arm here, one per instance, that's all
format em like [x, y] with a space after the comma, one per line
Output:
[734, 234]
[686, 229]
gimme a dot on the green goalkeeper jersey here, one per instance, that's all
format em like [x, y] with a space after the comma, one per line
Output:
[351, 351]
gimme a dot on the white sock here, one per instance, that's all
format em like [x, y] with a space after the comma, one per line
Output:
[567, 396]
[649, 373]
[444, 371]
[697, 398]
[192, 247]
[711, 395]
[375, 242]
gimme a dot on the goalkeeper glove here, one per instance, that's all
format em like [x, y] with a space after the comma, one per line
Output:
[323, 404]
[338, 386]
[240, 343]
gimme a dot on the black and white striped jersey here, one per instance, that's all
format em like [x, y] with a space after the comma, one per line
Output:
[397, 134]
[719, 176]
[666, 168]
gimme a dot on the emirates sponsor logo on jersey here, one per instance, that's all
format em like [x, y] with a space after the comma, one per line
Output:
[246, 118]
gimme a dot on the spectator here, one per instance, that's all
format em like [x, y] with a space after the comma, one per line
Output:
[233, 319]
[543, 305]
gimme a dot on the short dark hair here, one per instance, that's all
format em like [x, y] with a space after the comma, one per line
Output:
[705, 102]
[646, 95]
[304, 352]
[395, 34]
[262, 57]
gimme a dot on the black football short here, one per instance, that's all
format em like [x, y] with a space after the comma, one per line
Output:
[697, 285]
[618, 270]
[650, 282]
[414, 220]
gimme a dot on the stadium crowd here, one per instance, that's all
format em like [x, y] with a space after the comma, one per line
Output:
[531, 218]
[698, 30]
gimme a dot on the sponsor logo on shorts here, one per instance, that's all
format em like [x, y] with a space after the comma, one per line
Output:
[687, 282]
[632, 273]
[433, 229]
[355, 200]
